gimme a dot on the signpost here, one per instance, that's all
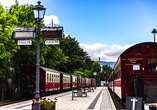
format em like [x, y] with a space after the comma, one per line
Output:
[52, 32]
[24, 42]
[52, 42]
[24, 33]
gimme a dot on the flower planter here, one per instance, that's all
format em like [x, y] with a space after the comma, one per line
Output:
[45, 107]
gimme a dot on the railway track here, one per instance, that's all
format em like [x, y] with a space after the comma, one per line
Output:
[118, 103]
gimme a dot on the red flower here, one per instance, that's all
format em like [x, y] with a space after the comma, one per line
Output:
[55, 98]
[48, 99]
[55, 101]
[41, 98]
[44, 98]
[33, 100]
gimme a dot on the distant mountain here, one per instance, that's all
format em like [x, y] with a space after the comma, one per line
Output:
[108, 63]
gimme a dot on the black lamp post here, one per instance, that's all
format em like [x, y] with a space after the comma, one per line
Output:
[154, 32]
[39, 12]
[83, 70]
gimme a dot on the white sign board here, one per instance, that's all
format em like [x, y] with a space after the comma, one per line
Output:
[95, 73]
[136, 67]
[24, 33]
[24, 42]
[52, 42]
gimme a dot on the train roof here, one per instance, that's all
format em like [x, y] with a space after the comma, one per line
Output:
[48, 69]
[74, 75]
[65, 73]
[134, 46]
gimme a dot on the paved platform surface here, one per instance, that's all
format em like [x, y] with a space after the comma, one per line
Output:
[100, 99]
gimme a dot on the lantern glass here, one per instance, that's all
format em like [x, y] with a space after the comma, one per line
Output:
[35, 14]
[39, 14]
[39, 11]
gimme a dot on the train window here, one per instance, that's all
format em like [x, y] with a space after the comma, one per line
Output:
[31, 75]
[57, 78]
[47, 77]
[52, 77]
[151, 64]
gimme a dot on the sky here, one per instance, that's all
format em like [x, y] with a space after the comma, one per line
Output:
[103, 28]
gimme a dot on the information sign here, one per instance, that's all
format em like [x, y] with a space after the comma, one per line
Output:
[24, 32]
[52, 33]
[52, 42]
[24, 42]
[136, 67]
[95, 73]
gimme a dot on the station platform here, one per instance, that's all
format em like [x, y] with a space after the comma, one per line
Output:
[100, 99]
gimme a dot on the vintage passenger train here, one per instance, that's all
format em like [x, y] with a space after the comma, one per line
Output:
[50, 81]
[135, 73]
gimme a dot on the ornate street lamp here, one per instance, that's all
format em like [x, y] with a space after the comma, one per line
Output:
[39, 12]
[83, 70]
[154, 32]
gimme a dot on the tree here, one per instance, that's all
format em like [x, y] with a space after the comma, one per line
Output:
[78, 73]
[72, 49]
[97, 68]
[107, 69]
[51, 56]
[7, 44]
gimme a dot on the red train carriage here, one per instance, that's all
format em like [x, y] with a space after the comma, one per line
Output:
[65, 81]
[110, 81]
[75, 80]
[79, 82]
[93, 82]
[49, 80]
[135, 72]
[83, 82]
[88, 82]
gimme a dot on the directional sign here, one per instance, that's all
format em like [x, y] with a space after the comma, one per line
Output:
[52, 32]
[52, 42]
[24, 33]
[24, 42]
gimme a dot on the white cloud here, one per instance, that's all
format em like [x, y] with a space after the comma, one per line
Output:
[66, 35]
[105, 52]
[48, 19]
